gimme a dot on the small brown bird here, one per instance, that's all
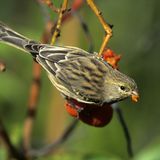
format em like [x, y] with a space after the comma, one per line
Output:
[74, 72]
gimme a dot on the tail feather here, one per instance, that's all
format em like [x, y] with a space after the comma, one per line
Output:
[13, 38]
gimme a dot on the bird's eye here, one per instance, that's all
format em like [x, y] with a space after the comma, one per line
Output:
[122, 88]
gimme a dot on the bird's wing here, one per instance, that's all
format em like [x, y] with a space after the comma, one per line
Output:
[76, 73]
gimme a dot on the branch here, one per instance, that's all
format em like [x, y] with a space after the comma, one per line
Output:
[48, 149]
[13, 152]
[34, 95]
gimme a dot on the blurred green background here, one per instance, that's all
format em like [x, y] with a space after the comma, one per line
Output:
[136, 37]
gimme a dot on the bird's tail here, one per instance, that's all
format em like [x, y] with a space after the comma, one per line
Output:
[15, 39]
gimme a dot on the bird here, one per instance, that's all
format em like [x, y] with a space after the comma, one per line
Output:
[76, 73]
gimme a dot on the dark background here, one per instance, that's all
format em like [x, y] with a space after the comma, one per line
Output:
[136, 36]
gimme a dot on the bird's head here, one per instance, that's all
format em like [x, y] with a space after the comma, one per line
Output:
[118, 86]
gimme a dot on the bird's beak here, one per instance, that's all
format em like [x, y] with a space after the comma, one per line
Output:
[135, 96]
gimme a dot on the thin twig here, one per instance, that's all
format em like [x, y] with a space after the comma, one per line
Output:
[50, 4]
[76, 5]
[106, 26]
[56, 32]
[86, 32]
[65, 17]
[13, 152]
[54, 146]
[126, 131]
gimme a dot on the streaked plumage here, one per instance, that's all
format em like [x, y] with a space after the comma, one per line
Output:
[74, 72]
